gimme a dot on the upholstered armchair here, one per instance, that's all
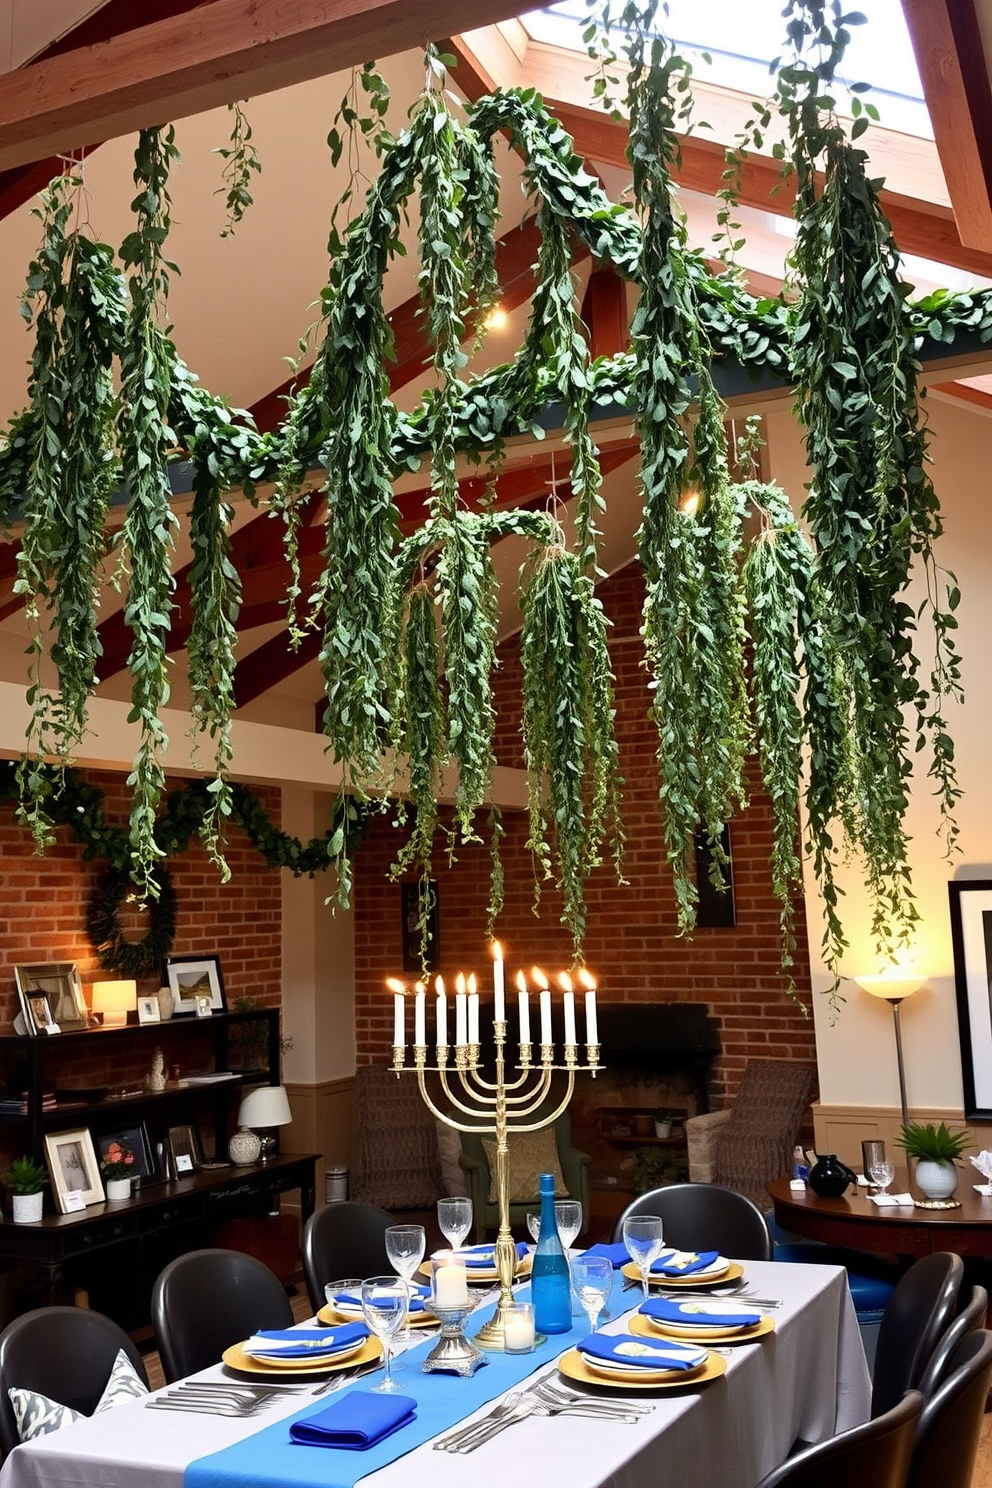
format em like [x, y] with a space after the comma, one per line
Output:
[750, 1144]
[574, 1170]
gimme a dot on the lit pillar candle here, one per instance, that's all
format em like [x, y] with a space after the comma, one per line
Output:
[420, 1015]
[442, 1012]
[523, 1005]
[499, 1002]
[399, 1010]
[592, 1030]
[461, 1027]
[565, 981]
[450, 1281]
[541, 981]
[473, 1010]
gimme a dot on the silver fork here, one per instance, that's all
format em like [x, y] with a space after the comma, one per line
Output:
[525, 1405]
[208, 1407]
[599, 1410]
[451, 1439]
[557, 1395]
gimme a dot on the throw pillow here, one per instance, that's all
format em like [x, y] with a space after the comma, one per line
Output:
[36, 1415]
[530, 1155]
[124, 1384]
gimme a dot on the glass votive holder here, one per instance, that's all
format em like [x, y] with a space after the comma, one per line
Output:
[518, 1329]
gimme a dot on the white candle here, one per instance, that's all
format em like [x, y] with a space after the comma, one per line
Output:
[399, 1020]
[420, 1015]
[451, 1283]
[592, 1032]
[546, 1017]
[523, 1003]
[570, 1018]
[499, 1004]
[518, 1331]
[442, 1012]
[461, 1027]
[473, 1017]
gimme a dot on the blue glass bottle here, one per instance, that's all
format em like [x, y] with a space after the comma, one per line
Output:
[549, 1277]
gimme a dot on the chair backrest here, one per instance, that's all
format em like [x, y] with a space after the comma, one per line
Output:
[919, 1310]
[396, 1162]
[66, 1353]
[875, 1455]
[968, 1319]
[208, 1299]
[344, 1240]
[755, 1146]
[700, 1216]
[947, 1436]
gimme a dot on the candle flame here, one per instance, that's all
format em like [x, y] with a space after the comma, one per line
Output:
[473, 985]
[395, 985]
[539, 977]
[497, 951]
[460, 984]
[439, 986]
[419, 988]
[521, 982]
[564, 981]
[587, 979]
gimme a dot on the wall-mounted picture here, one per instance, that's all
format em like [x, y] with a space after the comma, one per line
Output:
[72, 1163]
[185, 1149]
[133, 1139]
[411, 910]
[191, 977]
[149, 1010]
[51, 994]
[971, 938]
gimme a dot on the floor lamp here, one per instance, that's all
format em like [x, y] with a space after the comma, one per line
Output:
[895, 990]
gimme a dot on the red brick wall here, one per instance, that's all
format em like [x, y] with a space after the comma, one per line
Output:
[631, 942]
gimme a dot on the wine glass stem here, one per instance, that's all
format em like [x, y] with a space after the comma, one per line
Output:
[645, 1273]
[387, 1355]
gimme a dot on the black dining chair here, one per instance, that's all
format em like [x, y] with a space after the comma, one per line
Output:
[918, 1312]
[970, 1317]
[66, 1353]
[698, 1216]
[876, 1455]
[344, 1240]
[208, 1299]
[947, 1436]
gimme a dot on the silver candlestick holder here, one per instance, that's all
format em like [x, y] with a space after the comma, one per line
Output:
[453, 1353]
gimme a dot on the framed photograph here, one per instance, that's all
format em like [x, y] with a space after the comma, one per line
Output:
[410, 909]
[149, 1010]
[57, 986]
[133, 1139]
[73, 1166]
[971, 938]
[191, 977]
[204, 1007]
[185, 1149]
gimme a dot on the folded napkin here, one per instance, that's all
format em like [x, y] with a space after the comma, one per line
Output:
[356, 1422]
[303, 1343]
[484, 1255]
[418, 1298]
[640, 1353]
[683, 1262]
[891, 1201]
[617, 1255]
[699, 1314]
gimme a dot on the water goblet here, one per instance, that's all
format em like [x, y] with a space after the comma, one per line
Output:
[643, 1236]
[384, 1300]
[882, 1174]
[592, 1277]
[405, 1247]
[534, 1224]
[568, 1215]
[454, 1217]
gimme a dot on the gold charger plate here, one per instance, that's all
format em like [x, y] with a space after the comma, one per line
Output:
[487, 1273]
[236, 1358]
[330, 1315]
[574, 1367]
[693, 1282]
[647, 1328]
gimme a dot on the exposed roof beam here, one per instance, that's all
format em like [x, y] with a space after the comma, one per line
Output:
[947, 41]
[223, 51]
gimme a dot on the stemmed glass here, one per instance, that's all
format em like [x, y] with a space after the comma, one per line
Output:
[593, 1279]
[405, 1247]
[454, 1217]
[643, 1236]
[568, 1213]
[882, 1173]
[384, 1300]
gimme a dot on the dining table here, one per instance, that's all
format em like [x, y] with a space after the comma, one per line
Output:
[805, 1379]
[853, 1220]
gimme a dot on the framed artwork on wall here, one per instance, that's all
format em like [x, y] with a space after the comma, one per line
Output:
[51, 994]
[971, 938]
[74, 1170]
[192, 977]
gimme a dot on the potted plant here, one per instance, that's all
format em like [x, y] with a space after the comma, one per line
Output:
[936, 1150]
[26, 1180]
[663, 1123]
[117, 1167]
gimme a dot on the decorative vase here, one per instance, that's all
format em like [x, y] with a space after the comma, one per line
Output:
[166, 1003]
[937, 1180]
[829, 1177]
[27, 1207]
[244, 1148]
[117, 1189]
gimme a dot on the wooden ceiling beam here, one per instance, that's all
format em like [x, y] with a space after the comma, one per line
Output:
[223, 51]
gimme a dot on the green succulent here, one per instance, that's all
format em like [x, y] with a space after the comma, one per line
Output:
[929, 1143]
[25, 1176]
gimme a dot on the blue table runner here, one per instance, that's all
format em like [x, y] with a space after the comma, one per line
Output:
[268, 1459]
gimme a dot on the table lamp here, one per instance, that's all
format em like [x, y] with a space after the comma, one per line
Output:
[114, 1000]
[895, 990]
[264, 1110]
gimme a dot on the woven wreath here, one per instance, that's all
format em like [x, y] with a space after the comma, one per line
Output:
[132, 958]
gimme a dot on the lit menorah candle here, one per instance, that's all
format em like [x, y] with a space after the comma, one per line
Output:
[565, 983]
[541, 981]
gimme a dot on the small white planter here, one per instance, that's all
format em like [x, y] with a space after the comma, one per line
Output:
[27, 1207]
[663, 1130]
[117, 1189]
[938, 1180]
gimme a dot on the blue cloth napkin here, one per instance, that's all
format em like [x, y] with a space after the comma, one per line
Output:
[641, 1353]
[418, 1298]
[303, 1343]
[484, 1256]
[675, 1262]
[617, 1255]
[355, 1423]
[695, 1314]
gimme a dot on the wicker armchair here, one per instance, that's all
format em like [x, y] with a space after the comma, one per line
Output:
[750, 1144]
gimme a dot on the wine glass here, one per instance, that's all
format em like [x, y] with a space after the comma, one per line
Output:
[882, 1173]
[568, 1214]
[454, 1217]
[643, 1236]
[384, 1300]
[592, 1277]
[534, 1224]
[405, 1246]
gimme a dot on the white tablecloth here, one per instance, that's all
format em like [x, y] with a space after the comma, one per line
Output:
[808, 1379]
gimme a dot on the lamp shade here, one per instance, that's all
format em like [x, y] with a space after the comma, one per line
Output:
[268, 1105]
[114, 1000]
[892, 988]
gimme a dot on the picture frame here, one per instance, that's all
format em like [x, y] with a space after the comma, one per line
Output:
[185, 1148]
[971, 940]
[196, 976]
[137, 1139]
[149, 1010]
[58, 983]
[204, 1007]
[410, 927]
[73, 1169]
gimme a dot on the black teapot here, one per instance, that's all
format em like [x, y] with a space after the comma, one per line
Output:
[829, 1177]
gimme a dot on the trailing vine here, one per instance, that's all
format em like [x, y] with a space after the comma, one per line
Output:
[241, 161]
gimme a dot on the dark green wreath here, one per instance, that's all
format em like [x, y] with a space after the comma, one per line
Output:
[132, 958]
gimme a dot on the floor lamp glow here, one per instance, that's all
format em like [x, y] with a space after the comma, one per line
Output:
[895, 990]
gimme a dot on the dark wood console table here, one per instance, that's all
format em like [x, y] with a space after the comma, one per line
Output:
[853, 1221]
